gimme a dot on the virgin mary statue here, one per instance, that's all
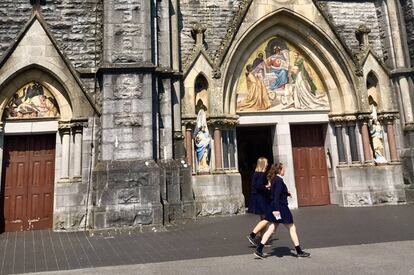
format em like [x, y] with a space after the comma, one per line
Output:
[202, 142]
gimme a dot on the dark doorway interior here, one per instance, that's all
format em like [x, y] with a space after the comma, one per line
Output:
[252, 143]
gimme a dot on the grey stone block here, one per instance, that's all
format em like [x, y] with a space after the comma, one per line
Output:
[126, 193]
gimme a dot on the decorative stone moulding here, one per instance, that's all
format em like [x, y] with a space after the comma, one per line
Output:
[73, 124]
[346, 118]
[191, 120]
[362, 36]
[364, 116]
[388, 116]
[223, 121]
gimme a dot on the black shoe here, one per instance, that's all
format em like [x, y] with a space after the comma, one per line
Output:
[259, 254]
[251, 240]
[304, 254]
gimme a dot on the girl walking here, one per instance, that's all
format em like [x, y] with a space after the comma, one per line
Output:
[279, 212]
[260, 194]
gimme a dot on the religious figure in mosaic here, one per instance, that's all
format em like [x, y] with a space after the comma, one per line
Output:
[257, 97]
[278, 63]
[31, 101]
[284, 80]
[202, 142]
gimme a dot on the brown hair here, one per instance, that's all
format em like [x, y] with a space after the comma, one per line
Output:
[261, 165]
[274, 170]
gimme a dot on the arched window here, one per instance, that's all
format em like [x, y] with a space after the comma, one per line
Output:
[374, 97]
[201, 94]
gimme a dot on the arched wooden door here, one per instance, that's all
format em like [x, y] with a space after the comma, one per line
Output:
[28, 182]
[311, 175]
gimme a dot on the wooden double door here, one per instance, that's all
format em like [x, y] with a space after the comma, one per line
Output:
[311, 177]
[27, 182]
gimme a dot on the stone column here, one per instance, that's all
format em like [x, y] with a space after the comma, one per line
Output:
[64, 130]
[179, 151]
[189, 146]
[165, 113]
[400, 56]
[353, 143]
[365, 141]
[1, 150]
[77, 132]
[391, 140]
[340, 143]
[217, 149]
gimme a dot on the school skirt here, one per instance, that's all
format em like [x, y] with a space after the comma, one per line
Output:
[285, 213]
[258, 204]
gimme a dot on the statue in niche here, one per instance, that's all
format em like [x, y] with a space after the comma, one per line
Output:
[202, 142]
[376, 132]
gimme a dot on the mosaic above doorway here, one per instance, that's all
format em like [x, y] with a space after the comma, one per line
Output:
[33, 100]
[276, 77]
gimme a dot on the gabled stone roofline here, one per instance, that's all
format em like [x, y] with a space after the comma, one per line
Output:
[238, 18]
[365, 55]
[197, 51]
[37, 16]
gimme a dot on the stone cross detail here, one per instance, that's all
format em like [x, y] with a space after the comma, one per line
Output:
[36, 3]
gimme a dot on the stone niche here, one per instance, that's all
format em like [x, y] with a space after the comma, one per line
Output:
[126, 193]
[371, 185]
[218, 194]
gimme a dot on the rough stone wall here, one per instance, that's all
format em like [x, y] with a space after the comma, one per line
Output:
[77, 27]
[216, 15]
[127, 31]
[346, 16]
[408, 10]
[13, 15]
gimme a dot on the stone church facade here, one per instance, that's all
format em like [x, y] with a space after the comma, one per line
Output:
[129, 113]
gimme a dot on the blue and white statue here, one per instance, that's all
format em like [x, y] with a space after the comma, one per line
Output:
[202, 140]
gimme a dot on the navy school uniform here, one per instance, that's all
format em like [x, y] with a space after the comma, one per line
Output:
[279, 202]
[259, 195]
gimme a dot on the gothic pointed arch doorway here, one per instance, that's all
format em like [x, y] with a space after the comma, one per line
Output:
[28, 163]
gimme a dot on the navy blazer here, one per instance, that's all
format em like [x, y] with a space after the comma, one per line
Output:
[259, 182]
[279, 193]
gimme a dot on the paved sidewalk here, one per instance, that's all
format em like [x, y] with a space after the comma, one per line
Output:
[318, 227]
[383, 258]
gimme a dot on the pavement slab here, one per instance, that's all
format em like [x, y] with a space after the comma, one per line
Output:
[384, 258]
[318, 227]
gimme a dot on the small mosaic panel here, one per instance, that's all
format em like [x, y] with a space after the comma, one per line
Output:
[33, 100]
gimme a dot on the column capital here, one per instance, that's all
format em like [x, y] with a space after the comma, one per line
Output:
[223, 120]
[74, 125]
[343, 119]
[178, 135]
[364, 117]
[64, 126]
[388, 118]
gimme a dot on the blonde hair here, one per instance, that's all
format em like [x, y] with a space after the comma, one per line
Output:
[276, 169]
[261, 165]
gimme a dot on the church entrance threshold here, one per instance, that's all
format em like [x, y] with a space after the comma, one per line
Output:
[311, 176]
[252, 143]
